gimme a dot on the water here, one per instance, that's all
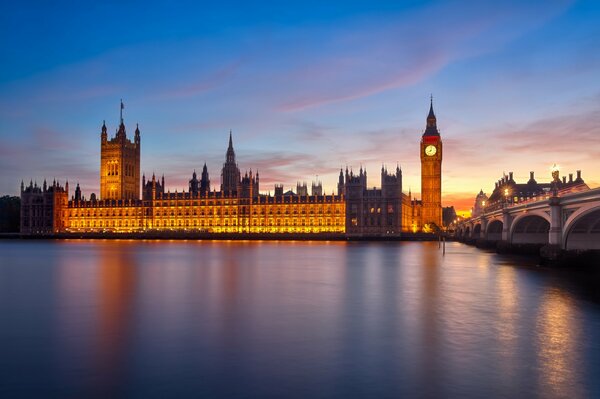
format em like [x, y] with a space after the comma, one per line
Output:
[290, 319]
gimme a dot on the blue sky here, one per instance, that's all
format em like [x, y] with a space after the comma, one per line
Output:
[306, 87]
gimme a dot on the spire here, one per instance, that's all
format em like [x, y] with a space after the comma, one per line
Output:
[122, 106]
[431, 129]
[230, 156]
[431, 115]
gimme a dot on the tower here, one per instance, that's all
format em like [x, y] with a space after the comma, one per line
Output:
[205, 181]
[119, 163]
[230, 175]
[431, 173]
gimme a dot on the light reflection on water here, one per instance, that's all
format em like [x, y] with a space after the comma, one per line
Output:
[289, 319]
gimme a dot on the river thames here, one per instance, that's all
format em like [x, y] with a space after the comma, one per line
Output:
[291, 319]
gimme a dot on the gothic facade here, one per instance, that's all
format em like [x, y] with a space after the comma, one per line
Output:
[119, 163]
[238, 207]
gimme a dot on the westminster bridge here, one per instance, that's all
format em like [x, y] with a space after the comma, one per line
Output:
[569, 221]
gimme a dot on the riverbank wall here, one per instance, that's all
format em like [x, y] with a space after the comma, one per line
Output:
[549, 255]
[162, 235]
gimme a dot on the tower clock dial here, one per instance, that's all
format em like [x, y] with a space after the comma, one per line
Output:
[430, 150]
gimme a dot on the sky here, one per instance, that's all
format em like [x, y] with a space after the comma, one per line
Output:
[306, 88]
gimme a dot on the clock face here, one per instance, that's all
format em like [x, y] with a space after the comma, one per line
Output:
[430, 150]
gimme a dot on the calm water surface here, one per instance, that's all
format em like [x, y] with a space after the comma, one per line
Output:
[290, 319]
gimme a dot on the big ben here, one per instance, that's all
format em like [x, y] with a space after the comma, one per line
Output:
[431, 174]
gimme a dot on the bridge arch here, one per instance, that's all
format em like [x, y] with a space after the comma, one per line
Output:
[530, 228]
[582, 230]
[494, 230]
[476, 231]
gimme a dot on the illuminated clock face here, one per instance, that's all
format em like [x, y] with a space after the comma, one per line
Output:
[430, 150]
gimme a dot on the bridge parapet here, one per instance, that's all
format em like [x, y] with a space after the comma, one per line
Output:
[570, 219]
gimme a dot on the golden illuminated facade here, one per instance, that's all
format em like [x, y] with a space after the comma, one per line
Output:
[238, 208]
[211, 214]
[431, 175]
[119, 164]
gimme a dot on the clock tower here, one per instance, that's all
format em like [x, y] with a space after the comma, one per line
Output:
[431, 174]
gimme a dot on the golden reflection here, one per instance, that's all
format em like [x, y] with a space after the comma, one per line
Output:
[508, 319]
[116, 285]
[557, 329]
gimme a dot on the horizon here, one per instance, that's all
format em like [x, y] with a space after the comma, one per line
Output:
[299, 110]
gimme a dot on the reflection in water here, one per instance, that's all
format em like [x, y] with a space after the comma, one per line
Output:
[116, 280]
[507, 324]
[431, 329]
[289, 319]
[559, 361]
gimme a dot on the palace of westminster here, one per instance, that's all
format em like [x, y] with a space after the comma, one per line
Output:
[128, 205]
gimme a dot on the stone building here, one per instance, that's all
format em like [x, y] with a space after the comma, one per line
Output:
[119, 163]
[239, 207]
[44, 210]
[373, 212]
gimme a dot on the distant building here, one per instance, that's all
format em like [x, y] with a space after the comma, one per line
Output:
[10, 214]
[507, 190]
[448, 215]
[44, 209]
[480, 202]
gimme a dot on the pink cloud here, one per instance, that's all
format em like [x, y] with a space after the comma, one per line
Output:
[206, 83]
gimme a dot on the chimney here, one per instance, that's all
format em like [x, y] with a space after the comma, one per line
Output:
[510, 174]
[570, 177]
[496, 184]
[578, 175]
[531, 175]
[564, 179]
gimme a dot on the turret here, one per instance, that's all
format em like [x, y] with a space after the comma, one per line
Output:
[77, 193]
[340, 187]
[103, 134]
[137, 134]
[204, 181]
[194, 184]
